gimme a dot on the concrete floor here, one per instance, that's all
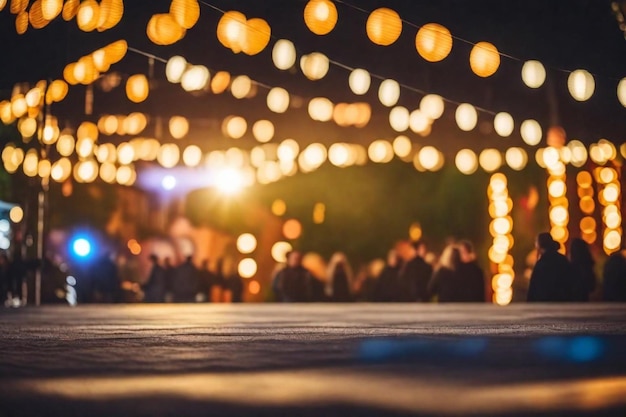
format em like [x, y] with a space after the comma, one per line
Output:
[313, 360]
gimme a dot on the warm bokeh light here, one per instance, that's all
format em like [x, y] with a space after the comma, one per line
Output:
[320, 16]
[314, 66]
[380, 151]
[195, 78]
[137, 88]
[484, 59]
[321, 109]
[466, 117]
[279, 207]
[402, 146]
[490, 160]
[533, 74]
[279, 251]
[278, 100]
[254, 287]
[389, 92]
[531, 132]
[284, 54]
[292, 229]
[466, 161]
[581, 85]
[246, 243]
[383, 26]
[16, 214]
[433, 42]
[503, 124]
[359, 81]
[399, 118]
[178, 126]
[247, 268]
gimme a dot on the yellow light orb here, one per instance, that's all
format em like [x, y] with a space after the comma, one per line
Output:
[35, 15]
[246, 243]
[178, 126]
[380, 151]
[621, 92]
[588, 225]
[433, 42]
[399, 118]
[530, 131]
[466, 161]
[383, 26]
[581, 85]
[16, 214]
[279, 251]
[516, 158]
[125, 153]
[258, 34]
[429, 157]
[163, 29]
[321, 109]
[65, 144]
[125, 175]
[231, 30]
[292, 229]
[533, 74]
[284, 54]
[61, 170]
[611, 193]
[503, 124]
[402, 146]
[613, 220]
[134, 124]
[278, 100]
[314, 66]
[241, 86]
[559, 215]
[607, 175]
[557, 188]
[359, 81]
[19, 107]
[86, 171]
[288, 150]
[70, 9]
[87, 130]
[220, 82]
[263, 130]
[235, 127]
[612, 241]
[484, 59]
[27, 127]
[389, 93]
[108, 172]
[279, 207]
[320, 16]
[587, 205]
[490, 160]
[57, 91]
[192, 155]
[432, 105]
[169, 155]
[466, 117]
[137, 88]
[312, 157]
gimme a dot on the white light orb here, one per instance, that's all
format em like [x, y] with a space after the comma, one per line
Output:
[284, 54]
[466, 117]
[399, 118]
[178, 126]
[169, 182]
[246, 243]
[579, 153]
[402, 146]
[380, 151]
[241, 86]
[236, 127]
[280, 250]
[359, 81]
[581, 85]
[288, 150]
[503, 124]
[263, 130]
[389, 93]
[490, 160]
[278, 100]
[429, 157]
[466, 161]
[339, 154]
[168, 155]
[418, 121]
[321, 109]
[192, 155]
[175, 68]
[516, 158]
[432, 105]
[531, 132]
[314, 66]
[533, 74]
[621, 91]
[195, 78]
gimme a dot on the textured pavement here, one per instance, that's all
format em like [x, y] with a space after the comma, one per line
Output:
[313, 360]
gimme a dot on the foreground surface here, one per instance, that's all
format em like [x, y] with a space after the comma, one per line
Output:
[171, 360]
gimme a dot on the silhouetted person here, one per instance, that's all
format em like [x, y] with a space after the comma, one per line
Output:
[293, 283]
[551, 279]
[207, 280]
[447, 281]
[185, 285]
[339, 279]
[156, 286]
[169, 271]
[106, 280]
[583, 278]
[387, 285]
[415, 275]
[614, 276]
[5, 278]
[17, 273]
[472, 274]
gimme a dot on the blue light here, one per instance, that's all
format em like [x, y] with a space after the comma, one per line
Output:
[81, 247]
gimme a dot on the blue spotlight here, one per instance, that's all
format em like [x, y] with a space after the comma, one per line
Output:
[81, 247]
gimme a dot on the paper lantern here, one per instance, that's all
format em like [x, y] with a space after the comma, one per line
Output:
[484, 59]
[57, 91]
[21, 23]
[466, 117]
[399, 118]
[231, 30]
[581, 85]
[50, 9]
[263, 130]
[389, 93]
[490, 160]
[111, 12]
[503, 124]
[258, 34]
[320, 16]
[530, 131]
[321, 109]
[179, 127]
[70, 9]
[432, 106]
[85, 70]
[241, 86]
[35, 15]
[88, 15]
[195, 78]
[137, 88]
[115, 52]
[383, 26]
[359, 81]
[314, 66]
[433, 42]
[278, 100]
[220, 82]
[175, 68]
[466, 161]
[621, 91]
[185, 12]
[18, 6]
[164, 30]
[284, 54]
[533, 74]
[516, 158]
